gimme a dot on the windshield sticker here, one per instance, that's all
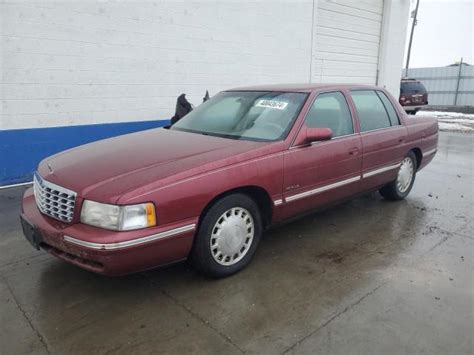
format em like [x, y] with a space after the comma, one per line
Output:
[279, 105]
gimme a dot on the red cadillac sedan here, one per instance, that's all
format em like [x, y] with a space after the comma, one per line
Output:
[206, 188]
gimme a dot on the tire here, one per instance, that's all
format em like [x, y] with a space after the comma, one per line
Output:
[227, 237]
[401, 187]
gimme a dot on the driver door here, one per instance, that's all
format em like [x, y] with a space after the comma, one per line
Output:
[323, 172]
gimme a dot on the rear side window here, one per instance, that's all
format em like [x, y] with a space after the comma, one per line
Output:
[412, 87]
[392, 114]
[370, 109]
[330, 110]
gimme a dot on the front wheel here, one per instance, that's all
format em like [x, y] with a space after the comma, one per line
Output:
[401, 187]
[227, 237]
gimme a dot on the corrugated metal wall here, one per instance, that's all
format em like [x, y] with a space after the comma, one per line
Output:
[441, 83]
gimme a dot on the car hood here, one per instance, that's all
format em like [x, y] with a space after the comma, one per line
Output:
[104, 170]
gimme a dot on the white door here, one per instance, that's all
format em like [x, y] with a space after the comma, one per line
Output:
[346, 41]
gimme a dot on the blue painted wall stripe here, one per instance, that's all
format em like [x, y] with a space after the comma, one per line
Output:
[22, 149]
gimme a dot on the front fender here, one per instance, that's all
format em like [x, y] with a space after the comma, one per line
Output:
[187, 198]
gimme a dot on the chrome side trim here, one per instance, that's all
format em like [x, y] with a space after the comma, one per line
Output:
[322, 189]
[429, 152]
[380, 171]
[321, 142]
[277, 202]
[129, 243]
[381, 129]
[16, 185]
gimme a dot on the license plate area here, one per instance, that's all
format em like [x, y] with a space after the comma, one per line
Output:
[416, 98]
[31, 233]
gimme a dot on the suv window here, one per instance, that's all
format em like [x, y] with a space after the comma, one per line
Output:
[330, 110]
[370, 109]
[392, 114]
[412, 87]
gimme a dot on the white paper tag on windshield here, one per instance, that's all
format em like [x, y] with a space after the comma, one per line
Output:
[279, 105]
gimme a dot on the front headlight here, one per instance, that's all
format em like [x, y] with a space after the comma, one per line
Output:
[121, 218]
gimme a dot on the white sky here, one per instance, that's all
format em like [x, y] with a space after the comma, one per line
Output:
[444, 33]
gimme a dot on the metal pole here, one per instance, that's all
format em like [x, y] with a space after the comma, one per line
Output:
[457, 84]
[413, 24]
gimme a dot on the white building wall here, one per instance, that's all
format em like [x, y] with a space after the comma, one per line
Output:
[72, 72]
[73, 63]
[392, 45]
[346, 41]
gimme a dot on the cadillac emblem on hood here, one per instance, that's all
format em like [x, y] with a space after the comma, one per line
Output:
[50, 169]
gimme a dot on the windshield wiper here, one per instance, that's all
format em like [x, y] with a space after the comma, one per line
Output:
[221, 135]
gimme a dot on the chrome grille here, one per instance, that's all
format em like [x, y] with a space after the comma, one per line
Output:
[53, 200]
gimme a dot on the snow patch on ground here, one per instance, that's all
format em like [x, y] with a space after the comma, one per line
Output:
[441, 114]
[454, 127]
[452, 121]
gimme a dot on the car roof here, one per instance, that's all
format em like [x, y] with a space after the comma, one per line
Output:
[302, 87]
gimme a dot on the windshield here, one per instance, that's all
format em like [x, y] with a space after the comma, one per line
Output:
[247, 115]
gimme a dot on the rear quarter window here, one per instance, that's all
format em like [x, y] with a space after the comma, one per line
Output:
[392, 114]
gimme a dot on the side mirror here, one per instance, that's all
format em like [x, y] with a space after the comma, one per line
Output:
[318, 134]
[309, 135]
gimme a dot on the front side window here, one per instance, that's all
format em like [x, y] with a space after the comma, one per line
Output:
[330, 110]
[246, 115]
[370, 109]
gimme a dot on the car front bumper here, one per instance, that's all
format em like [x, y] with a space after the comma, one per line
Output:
[103, 251]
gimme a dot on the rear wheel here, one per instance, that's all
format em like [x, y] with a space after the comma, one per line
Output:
[401, 187]
[228, 236]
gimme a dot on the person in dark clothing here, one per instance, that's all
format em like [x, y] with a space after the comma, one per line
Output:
[183, 107]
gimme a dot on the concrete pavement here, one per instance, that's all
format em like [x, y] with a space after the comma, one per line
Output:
[368, 276]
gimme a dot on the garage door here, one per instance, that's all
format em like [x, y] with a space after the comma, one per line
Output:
[346, 41]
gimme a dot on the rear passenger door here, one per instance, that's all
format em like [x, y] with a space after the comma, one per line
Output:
[382, 137]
